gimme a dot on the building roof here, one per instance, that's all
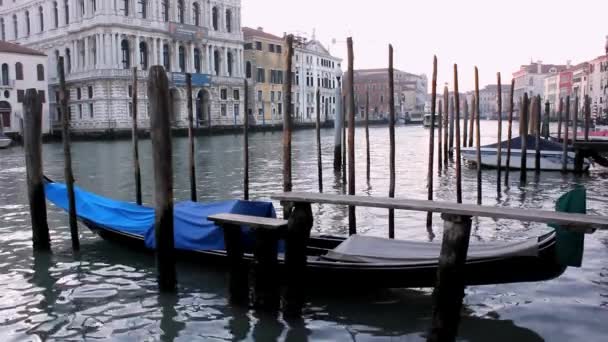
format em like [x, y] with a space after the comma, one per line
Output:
[249, 33]
[6, 47]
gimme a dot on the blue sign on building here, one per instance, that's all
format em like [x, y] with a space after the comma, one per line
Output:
[198, 80]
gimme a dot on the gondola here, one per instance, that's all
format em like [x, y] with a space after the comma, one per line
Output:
[357, 262]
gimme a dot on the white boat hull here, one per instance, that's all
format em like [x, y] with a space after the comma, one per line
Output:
[5, 142]
[549, 160]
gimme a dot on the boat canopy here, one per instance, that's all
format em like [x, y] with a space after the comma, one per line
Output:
[545, 145]
[192, 230]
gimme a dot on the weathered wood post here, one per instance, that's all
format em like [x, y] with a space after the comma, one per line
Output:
[245, 144]
[499, 148]
[318, 131]
[298, 232]
[344, 143]
[160, 134]
[472, 120]
[287, 122]
[587, 116]
[429, 179]
[238, 276]
[338, 121]
[352, 218]
[559, 120]
[449, 289]
[465, 123]
[545, 129]
[566, 138]
[523, 119]
[439, 137]
[367, 156]
[445, 122]
[191, 160]
[509, 133]
[32, 143]
[266, 294]
[135, 140]
[537, 104]
[67, 155]
[457, 127]
[391, 133]
[575, 121]
[451, 127]
[477, 136]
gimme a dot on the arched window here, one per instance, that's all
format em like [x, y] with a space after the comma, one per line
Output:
[142, 8]
[5, 74]
[2, 30]
[143, 55]
[124, 7]
[214, 18]
[180, 11]
[166, 59]
[19, 71]
[229, 20]
[15, 26]
[229, 60]
[27, 23]
[82, 8]
[41, 18]
[93, 5]
[126, 60]
[196, 14]
[55, 15]
[40, 72]
[164, 9]
[182, 59]
[248, 69]
[68, 60]
[66, 10]
[197, 61]
[216, 58]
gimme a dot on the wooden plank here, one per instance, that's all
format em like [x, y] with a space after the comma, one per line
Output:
[251, 221]
[530, 215]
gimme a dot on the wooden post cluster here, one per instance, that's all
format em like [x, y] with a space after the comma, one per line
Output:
[135, 140]
[318, 131]
[352, 219]
[429, 179]
[457, 128]
[566, 138]
[191, 158]
[391, 134]
[67, 155]
[32, 143]
[509, 132]
[160, 133]
[245, 144]
[287, 118]
[523, 129]
[499, 148]
[477, 136]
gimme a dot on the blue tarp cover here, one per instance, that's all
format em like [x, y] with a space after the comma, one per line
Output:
[191, 228]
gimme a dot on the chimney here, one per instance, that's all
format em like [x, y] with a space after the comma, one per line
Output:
[539, 67]
[260, 28]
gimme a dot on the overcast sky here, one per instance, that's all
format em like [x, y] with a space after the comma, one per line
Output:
[496, 36]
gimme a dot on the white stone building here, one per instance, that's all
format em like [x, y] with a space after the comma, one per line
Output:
[598, 85]
[21, 68]
[102, 40]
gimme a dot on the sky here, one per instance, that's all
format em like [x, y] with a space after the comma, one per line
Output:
[495, 36]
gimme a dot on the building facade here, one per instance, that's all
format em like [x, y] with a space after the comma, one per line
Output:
[21, 68]
[598, 85]
[488, 100]
[531, 78]
[101, 42]
[410, 92]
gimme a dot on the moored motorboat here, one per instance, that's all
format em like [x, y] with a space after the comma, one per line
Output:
[427, 120]
[5, 141]
[551, 155]
[357, 261]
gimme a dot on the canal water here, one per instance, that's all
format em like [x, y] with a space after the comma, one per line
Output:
[109, 292]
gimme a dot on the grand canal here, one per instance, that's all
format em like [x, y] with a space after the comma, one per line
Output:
[109, 292]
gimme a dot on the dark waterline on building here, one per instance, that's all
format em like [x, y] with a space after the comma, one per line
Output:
[110, 292]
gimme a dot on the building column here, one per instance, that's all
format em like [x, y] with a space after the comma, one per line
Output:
[137, 56]
[225, 64]
[176, 56]
[154, 59]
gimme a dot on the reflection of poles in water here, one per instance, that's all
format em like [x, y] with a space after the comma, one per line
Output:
[42, 277]
[338, 120]
[239, 323]
[267, 327]
[168, 325]
[297, 331]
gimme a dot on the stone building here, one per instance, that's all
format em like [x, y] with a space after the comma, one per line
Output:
[488, 100]
[531, 78]
[102, 40]
[410, 92]
[21, 68]
[598, 86]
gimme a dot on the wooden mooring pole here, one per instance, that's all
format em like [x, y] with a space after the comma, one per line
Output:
[559, 119]
[523, 129]
[477, 136]
[67, 155]
[391, 133]
[537, 104]
[566, 138]
[135, 140]
[445, 123]
[318, 131]
[352, 218]
[449, 289]
[338, 121]
[499, 148]
[465, 122]
[451, 127]
[287, 119]
[457, 128]
[367, 156]
[472, 120]
[587, 116]
[440, 137]
[429, 179]
[509, 133]
[245, 144]
[191, 158]
[344, 143]
[575, 121]
[546, 118]
[160, 134]
[32, 143]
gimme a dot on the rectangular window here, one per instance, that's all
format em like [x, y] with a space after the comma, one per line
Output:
[223, 109]
[42, 96]
[91, 114]
[90, 89]
[260, 112]
[279, 96]
[224, 94]
[258, 46]
[278, 49]
[235, 94]
[20, 95]
[280, 108]
[261, 76]
[259, 95]
[270, 47]
[80, 111]
[248, 46]
[272, 96]
[78, 93]
[236, 109]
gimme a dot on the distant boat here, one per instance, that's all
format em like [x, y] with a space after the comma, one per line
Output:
[427, 120]
[413, 118]
[551, 155]
[5, 141]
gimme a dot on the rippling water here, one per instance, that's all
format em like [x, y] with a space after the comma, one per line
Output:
[109, 292]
